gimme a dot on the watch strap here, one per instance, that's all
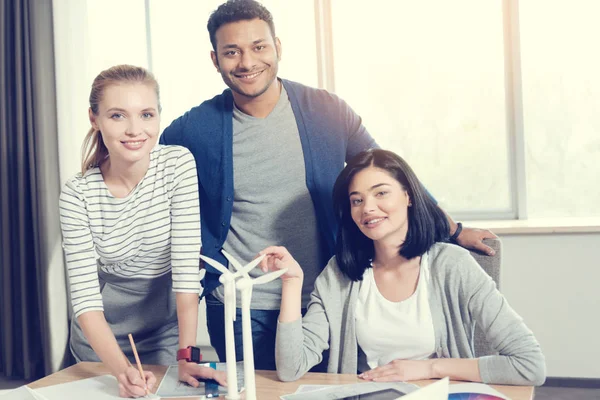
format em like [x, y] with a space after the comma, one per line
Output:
[184, 354]
[190, 354]
[457, 232]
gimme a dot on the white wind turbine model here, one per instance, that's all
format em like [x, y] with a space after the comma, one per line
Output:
[228, 278]
[244, 285]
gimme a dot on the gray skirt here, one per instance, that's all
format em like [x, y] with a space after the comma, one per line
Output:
[146, 308]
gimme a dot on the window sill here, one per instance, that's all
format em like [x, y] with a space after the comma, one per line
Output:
[534, 226]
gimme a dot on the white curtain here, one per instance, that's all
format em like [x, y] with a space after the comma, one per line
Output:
[71, 77]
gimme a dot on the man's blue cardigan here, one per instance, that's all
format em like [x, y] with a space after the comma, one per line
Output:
[330, 132]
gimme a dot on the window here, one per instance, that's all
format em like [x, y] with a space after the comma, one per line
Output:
[561, 106]
[428, 79]
[494, 103]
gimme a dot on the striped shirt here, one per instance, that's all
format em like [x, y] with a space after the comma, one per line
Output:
[154, 230]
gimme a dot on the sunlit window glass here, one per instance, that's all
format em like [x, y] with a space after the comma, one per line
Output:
[561, 105]
[428, 79]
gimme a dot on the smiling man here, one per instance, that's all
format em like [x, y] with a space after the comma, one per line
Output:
[268, 151]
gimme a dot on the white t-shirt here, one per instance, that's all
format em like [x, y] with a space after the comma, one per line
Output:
[387, 330]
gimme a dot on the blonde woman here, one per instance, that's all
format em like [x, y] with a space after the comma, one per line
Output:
[131, 235]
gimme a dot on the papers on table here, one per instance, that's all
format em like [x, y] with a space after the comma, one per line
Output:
[372, 391]
[310, 388]
[170, 386]
[104, 387]
[365, 391]
[22, 393]
[434, 391]
[474, 391]
[440, 390]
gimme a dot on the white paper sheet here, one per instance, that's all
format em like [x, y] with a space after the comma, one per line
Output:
[479, 388]
[21, 393]
[36, 394]
[310, 388]
[104, 387]
[331, 392]
[434, 391]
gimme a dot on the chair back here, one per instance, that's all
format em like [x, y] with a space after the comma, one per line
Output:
[491, 265]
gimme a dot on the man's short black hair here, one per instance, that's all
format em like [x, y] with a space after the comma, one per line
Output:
[427, 223]
[237, 10]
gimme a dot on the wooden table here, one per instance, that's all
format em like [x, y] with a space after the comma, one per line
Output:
[267, 385]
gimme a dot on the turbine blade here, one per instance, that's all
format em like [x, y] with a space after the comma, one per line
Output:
[268, 277]
[217, 265]
[232, 261]
[248, 267]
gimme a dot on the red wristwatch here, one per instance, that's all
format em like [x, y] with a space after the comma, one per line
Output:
[189, 354]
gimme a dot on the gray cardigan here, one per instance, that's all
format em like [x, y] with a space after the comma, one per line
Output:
[460, 294]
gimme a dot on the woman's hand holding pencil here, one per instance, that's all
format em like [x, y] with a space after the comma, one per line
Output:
[135, 382]
[131, 383]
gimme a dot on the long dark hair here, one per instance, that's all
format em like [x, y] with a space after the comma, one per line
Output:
[427, 223]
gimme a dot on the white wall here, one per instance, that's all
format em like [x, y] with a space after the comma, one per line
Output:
[552, 281]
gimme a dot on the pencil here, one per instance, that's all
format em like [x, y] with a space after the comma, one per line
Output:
[137, 360]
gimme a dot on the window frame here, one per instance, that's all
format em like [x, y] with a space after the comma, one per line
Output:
[515, 133]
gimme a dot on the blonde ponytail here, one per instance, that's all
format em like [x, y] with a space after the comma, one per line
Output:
[93, 150]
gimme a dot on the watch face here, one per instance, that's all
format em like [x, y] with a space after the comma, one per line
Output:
[196, 355]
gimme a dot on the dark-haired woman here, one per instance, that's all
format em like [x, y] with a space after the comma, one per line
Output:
[397, 302]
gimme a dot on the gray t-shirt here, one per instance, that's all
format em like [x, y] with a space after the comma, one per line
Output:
[272, 204]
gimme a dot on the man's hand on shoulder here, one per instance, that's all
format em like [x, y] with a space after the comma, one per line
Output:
[472, 239]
